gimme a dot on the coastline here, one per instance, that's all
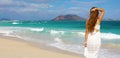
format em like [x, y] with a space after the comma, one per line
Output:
[17, 48]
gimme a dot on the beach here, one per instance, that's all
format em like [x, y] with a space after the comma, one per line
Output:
[54, 39]
[10, 48]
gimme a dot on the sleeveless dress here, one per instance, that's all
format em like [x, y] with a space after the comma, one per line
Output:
[93, 43]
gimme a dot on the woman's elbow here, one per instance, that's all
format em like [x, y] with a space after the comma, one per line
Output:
[102, 10]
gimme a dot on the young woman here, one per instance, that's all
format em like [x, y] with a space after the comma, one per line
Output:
[92, 40]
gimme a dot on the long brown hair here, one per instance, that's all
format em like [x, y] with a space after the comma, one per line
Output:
[92, 19]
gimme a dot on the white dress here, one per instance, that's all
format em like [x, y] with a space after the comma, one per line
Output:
[93, 43]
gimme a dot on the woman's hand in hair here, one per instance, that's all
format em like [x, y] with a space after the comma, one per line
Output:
[100, 9]
[94, 9]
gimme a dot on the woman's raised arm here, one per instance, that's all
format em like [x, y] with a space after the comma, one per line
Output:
[101, 15]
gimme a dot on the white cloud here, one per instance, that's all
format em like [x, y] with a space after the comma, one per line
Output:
[3, 2]
[19, 10]
[11, 3]
[78, 8]
[40, 1]
[33, 7]
[42, 5]
[22, 6]
[87, 3]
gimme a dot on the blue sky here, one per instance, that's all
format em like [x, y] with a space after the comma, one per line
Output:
[48, 9]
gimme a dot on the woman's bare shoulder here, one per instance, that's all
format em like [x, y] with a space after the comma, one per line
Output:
[98, 21]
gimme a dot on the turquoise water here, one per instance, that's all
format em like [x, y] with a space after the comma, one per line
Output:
[65, 35]
[106, 26]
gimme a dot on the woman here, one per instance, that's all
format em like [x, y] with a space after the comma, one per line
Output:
[92, 40]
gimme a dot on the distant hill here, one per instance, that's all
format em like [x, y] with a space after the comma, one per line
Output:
[4, 19]
[68, 17]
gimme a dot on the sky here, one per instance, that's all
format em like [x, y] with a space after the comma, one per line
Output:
[49, 9]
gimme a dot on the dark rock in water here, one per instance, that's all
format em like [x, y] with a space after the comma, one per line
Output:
[68, 17]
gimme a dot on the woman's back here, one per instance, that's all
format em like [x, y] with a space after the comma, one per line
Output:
[94, 42]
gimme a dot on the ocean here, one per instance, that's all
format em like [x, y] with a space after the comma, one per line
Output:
[64, 35]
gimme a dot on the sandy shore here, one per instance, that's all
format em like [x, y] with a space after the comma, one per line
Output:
[19, 49]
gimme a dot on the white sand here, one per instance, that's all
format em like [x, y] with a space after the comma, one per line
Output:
[19, 49]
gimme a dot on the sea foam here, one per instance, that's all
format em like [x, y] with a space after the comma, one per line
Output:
[67, 47]
[37, 29]
[54, 32]
[110, 36]
[103, 35]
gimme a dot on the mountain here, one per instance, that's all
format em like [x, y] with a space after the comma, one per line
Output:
[4, 19]
[68, 17]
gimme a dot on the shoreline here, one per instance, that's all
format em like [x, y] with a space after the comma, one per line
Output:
[10, 46]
